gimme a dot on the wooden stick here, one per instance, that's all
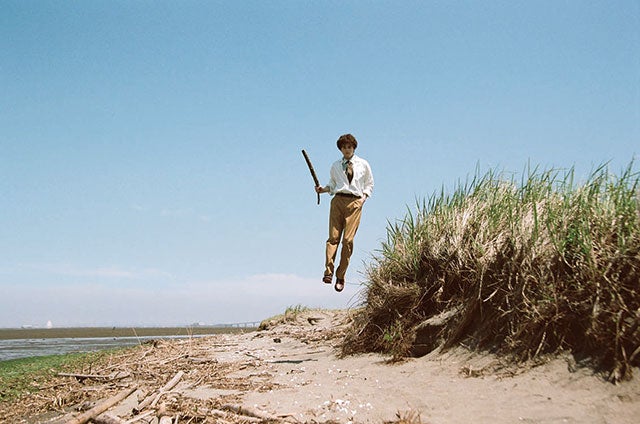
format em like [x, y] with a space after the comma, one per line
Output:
[248, 412]
[83, 376]
[313, 172]
[101, 407]
[153, 398]
[116, 376]
[108, 419]
[139, 417]
[220, 415]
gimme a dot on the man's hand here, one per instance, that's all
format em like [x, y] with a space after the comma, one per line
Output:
[321, 189]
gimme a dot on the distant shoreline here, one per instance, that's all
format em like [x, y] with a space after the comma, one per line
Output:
[100, 332]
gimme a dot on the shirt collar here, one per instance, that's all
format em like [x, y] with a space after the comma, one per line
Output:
[353, 159]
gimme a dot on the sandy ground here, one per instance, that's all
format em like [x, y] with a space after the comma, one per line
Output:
[290, 373]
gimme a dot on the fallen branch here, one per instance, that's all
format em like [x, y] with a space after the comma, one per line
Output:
[108, 419]
[83, 376]
[314, 320]
[202, 360]
[181, 356]
[139, 417]
[248, 412]
[153, 398]
[220, 415]
[116, 376]
[101, 407]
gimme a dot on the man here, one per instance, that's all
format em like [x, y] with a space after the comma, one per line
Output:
[351, 184]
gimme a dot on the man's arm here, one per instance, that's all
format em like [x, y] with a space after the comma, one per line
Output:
[367, 190]
[332, 183]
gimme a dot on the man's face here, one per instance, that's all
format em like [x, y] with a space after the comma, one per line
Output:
[347, 150]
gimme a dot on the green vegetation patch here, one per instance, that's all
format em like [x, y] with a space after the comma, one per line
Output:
[25, 376]
[522, 268]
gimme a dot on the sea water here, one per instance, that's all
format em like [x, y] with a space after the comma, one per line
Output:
[25, 348]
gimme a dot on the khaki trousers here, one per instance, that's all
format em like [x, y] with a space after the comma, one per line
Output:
[344, 219]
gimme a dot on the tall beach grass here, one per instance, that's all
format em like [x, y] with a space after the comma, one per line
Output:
[522, 266]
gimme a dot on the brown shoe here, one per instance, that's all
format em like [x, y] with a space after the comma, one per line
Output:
[339, 284]
[327, 279]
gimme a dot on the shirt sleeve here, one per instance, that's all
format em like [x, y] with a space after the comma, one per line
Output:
[368, 181]
[331, 185]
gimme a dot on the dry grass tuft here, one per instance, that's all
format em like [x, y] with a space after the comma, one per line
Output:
[409, 417]
[521, 269]
[289, 315]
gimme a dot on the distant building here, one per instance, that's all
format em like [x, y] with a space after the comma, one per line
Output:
[49, 324]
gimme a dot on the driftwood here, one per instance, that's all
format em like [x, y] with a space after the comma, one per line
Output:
[164, 418]
[314, 320]
[202, 360]
[80, 377]
[220, 415]
[101, 407]
[153, 398]
[139, 417]
[108, 419]
[249, 412]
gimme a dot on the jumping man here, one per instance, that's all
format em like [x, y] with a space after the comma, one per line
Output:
[351, 184]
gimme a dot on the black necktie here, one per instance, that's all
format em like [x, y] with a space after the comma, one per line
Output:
[349, 171]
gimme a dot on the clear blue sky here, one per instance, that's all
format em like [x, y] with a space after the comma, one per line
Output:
[150, 166]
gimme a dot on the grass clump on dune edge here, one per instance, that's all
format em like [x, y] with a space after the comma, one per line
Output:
[521, 269]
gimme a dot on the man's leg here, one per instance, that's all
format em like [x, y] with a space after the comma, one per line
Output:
[353, 213]
[336, 226]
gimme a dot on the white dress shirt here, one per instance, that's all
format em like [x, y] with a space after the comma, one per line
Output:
[362, 182]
